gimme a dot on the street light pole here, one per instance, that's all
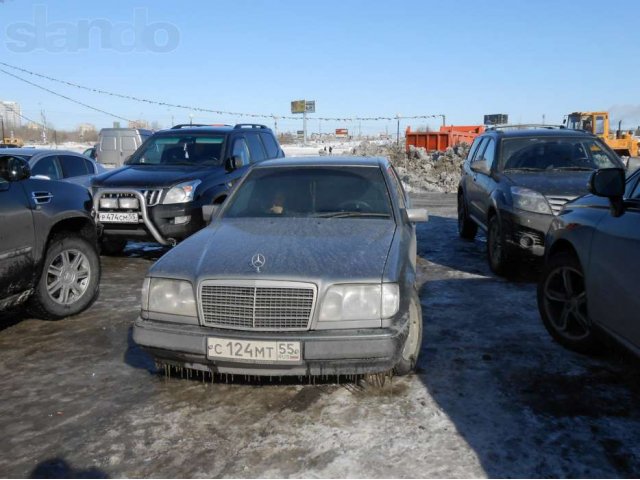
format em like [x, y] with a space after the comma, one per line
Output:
[2, 120]
[398, 129]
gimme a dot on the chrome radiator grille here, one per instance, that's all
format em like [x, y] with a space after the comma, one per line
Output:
[558, 202]
[262, 306]
[152, 197]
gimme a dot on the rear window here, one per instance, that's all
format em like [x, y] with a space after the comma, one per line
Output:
[271, 145]
[129, 143]
[552, 153]
[338, 192]
[108, 144]
[73, 166]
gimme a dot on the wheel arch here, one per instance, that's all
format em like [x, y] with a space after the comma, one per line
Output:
[562, 246]
[80, 225]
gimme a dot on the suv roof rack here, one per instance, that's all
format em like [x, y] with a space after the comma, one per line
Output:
[189, 125]
[524, 126]
[249, 125]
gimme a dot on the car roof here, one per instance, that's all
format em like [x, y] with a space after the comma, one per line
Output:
[37, 151]
[188, 129]
[539, 132]
[324, 161]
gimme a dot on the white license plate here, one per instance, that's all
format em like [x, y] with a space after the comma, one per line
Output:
[118, 217]
[253, 351]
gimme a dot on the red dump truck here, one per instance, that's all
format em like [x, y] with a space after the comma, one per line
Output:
[448, 136]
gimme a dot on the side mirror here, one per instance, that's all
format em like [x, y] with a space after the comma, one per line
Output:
[233, 163]
[607, 182]
[479, 166]
[610, 183]
[14, 169]
[416, 215]
[209, 211]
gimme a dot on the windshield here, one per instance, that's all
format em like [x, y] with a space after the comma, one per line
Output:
[323, 192]
[571, 153]
[192, 150]
[579, 122]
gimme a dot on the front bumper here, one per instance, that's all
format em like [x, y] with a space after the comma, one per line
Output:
[327, 352]
[526, 230]
[156, 222]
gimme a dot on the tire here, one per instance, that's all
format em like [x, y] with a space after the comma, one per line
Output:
[69, 281]
[467, 228]
[499, 254]
[562, 302]
[112, 245]
[413, 342]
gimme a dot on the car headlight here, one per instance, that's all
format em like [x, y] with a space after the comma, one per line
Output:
[530, 200]
[181, 193]
[360, 302]
[172, 297]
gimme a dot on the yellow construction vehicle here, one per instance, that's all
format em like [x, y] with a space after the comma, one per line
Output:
[623, 143]
[13, 142]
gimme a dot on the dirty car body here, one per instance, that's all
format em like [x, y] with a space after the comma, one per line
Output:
[309, 269]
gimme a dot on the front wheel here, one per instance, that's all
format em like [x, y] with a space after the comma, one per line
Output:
[413, 342]
[498, 252]
[562, 302]
[69, 280]
[467, 228]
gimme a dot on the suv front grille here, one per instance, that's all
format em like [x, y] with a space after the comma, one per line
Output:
[558, 202]
[257, 305]
[152, 197]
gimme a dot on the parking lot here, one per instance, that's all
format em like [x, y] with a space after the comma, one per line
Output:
[493, 395]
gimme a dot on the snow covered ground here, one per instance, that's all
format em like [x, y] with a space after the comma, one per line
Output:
[493, 396]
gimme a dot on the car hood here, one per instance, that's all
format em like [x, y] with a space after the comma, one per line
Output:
[145, 176]
[293, 249]
[552, 183]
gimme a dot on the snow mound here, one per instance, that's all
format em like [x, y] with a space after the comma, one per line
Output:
[419, 170]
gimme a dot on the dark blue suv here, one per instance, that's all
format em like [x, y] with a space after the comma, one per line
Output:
[173, 182]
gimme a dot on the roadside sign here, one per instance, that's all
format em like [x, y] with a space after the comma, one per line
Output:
[298, 106]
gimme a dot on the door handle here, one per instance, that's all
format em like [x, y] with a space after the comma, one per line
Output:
[41, 198]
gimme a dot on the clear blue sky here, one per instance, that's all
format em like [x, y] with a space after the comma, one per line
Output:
[354, 58]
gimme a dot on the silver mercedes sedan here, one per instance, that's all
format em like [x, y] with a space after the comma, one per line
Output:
[308, 269]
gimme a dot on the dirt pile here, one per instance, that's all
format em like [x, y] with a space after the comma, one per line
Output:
[421, 171]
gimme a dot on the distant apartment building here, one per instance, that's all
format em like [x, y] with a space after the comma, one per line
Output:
[139, 124]
[10, 113]
[86, 128]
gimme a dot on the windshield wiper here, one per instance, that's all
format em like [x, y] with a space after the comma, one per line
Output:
[574, 168]
[522, 169]
[341, 214]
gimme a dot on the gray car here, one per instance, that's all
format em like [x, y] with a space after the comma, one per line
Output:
[58, 164]
[308, 269]
[592, 268]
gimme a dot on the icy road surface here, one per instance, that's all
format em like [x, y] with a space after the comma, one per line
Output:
[494, 396]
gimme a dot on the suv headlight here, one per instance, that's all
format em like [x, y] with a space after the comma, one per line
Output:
[360, 302]
[530, 200]
[181, 193]
[172, 297]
